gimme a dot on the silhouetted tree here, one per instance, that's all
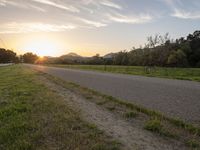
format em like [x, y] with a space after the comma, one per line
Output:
[8, 56]
[30, 58]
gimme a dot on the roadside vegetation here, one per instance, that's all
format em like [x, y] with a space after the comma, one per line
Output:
[150, 120]
[192, 74]
[35, 117]
[159, 50]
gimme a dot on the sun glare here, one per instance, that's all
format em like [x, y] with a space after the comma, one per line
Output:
[43, 46]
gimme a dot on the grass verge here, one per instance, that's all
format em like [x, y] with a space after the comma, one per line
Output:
[34, 117]
[192, 74]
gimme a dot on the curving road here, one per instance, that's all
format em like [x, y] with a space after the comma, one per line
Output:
[175, 98]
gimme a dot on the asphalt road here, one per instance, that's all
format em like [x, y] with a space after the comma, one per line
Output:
[6, 64]
[175, 98]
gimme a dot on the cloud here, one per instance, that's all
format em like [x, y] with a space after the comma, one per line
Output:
[51, 3]
[130, 19]
[101, 13]
[111, 4]
[33, 27]
[2, 2]
[37, 8]
[21, 5]
[12, 3]
[178, 11]
[186, 15]
[93, 23]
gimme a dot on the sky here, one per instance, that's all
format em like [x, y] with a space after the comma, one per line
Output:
[89, 27]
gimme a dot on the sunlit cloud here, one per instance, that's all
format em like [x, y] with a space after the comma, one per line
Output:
[142, 18]
[24, 5]
[33, 27]
[12, 3]
[86, 8]
[37, 8]
[51, 3]
[93, 23]
[2, 2]
[186, 15]
[111, 4]
[182, 13]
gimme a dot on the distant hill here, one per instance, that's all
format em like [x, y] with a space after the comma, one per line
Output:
[109, 55]
[72, 58]
[71, 55]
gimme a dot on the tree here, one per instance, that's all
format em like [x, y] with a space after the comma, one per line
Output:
[121, 58]
[96, 60]
[30, 58]
[177, 59]
[157, 40]
[8, 56]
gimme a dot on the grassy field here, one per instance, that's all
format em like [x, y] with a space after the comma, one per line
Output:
[34, 117]
[192, 74]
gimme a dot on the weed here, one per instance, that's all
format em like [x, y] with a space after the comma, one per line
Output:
[193, 143]
[130, 114]
[154, 125]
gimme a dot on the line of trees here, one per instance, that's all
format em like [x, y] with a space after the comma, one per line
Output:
[158, 51]
[163, 51]
[9, 56]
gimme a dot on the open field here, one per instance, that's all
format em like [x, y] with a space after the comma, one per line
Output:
[192, 74]
[34, 117]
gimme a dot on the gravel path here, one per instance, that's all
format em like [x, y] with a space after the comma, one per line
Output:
[175, 98]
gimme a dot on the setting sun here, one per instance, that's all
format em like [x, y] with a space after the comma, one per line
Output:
[43, 46]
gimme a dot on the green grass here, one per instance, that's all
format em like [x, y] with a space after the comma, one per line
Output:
[156, 126]
[130, 114]
[193, 144]
[192, 74]
[34, 117]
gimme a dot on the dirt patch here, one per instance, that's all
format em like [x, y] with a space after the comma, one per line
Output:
[131, 135]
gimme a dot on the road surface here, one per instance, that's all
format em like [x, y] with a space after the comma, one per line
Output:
[176, 98]
[5, 64]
